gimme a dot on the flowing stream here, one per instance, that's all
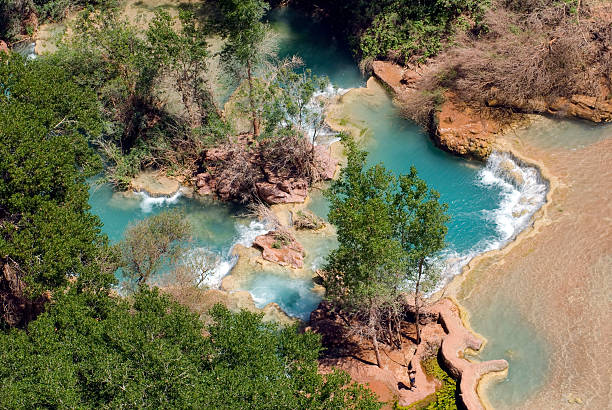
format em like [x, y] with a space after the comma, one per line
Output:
[489, 203]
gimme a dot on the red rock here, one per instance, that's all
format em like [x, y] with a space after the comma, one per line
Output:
[326, 163]
[461, 130]
[283, 193]
[441, 326]
[275, 250]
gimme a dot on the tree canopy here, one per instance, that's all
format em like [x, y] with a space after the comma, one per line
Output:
[388, 229]
[45, 224]
[149, 352]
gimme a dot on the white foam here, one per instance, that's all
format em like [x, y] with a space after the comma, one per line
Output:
[226, 262]
[222, 269]
[523, 192]
[248, 233]
[148, 202]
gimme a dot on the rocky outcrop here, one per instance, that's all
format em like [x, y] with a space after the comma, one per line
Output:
[456, 127]
[281, 248]
[441, 328]
[595, 109]
[292, 190]
[456, 341]
[256, 176]
[155, 184]
[461, 130]
[3, 47]
[465, 129]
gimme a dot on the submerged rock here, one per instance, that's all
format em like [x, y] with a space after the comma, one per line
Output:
[155, 184]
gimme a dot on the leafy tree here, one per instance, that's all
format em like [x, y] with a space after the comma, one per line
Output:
[151, 244]
[45, 225]
[183, 53]
[421, 224]
[149, 352]
[365, 271]
[125, 65]
[388, 230]
[242, 28]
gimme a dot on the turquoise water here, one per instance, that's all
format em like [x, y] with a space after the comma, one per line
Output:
[478, 197]
[215, 224]
[293, 295]
[316, 44]
[510, 336]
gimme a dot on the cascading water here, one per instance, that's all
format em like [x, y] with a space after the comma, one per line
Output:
[488, 205]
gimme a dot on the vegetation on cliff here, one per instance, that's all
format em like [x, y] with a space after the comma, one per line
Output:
[46, 229]
[19, 19]
[95, 349]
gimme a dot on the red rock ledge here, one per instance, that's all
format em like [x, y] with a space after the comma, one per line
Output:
[441, 328]
[456, 341]
[279, 248]
[462, 129]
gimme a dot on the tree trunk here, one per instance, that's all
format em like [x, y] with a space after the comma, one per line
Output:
[256, 131]
[375, 344]
[416, 304]
[399, 334]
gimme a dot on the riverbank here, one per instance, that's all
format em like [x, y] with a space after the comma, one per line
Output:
[556, 279]
[488, 289]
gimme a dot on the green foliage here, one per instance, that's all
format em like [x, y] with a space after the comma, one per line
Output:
[101, 352]
[45, 224]
[290, 106]
[445, 396]
[15, 15]
[125, 65]
[402, 30]
[367, 266]
[241, 25]
[152, 244]
[387, 226]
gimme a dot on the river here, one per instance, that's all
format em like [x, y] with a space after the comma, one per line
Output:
[489, 205]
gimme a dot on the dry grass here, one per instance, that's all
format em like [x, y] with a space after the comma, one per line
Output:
[533, 52]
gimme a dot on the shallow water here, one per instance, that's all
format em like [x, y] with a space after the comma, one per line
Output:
[315, 43]
[216, 226]
[488, 204]
[293, 295]
[543, 305]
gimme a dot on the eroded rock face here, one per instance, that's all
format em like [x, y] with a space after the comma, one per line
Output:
[456, 127]
[462, 129]
[292, 190]
[281, 248]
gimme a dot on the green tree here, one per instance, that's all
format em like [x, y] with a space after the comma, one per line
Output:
[421, 224]
[183, 53]
[389, 229]
[151, 244]
[149, 352]
[45, 225]
[242, 27]
[364, 274]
